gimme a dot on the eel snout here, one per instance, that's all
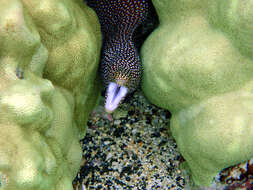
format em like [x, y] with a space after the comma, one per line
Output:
[114, 95]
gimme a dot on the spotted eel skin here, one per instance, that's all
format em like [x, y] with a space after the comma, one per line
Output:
[120, 66]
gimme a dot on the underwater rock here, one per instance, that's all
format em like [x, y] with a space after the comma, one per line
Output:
[198, 64]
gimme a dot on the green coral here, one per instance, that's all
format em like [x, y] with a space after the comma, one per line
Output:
[49, 57]
[199, 65]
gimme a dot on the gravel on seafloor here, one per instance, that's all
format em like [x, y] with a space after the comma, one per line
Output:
[133, 149]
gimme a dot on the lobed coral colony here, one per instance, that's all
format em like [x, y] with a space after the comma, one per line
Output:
[48, 63]
[198, 64]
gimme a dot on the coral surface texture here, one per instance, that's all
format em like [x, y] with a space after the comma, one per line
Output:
[198, 64]
[49, 53]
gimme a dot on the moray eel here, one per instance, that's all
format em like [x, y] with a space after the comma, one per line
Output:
[120, 65]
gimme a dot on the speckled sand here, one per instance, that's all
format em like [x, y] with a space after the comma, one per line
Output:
[134, 150]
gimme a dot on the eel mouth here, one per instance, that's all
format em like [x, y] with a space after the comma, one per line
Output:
[114, 95]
